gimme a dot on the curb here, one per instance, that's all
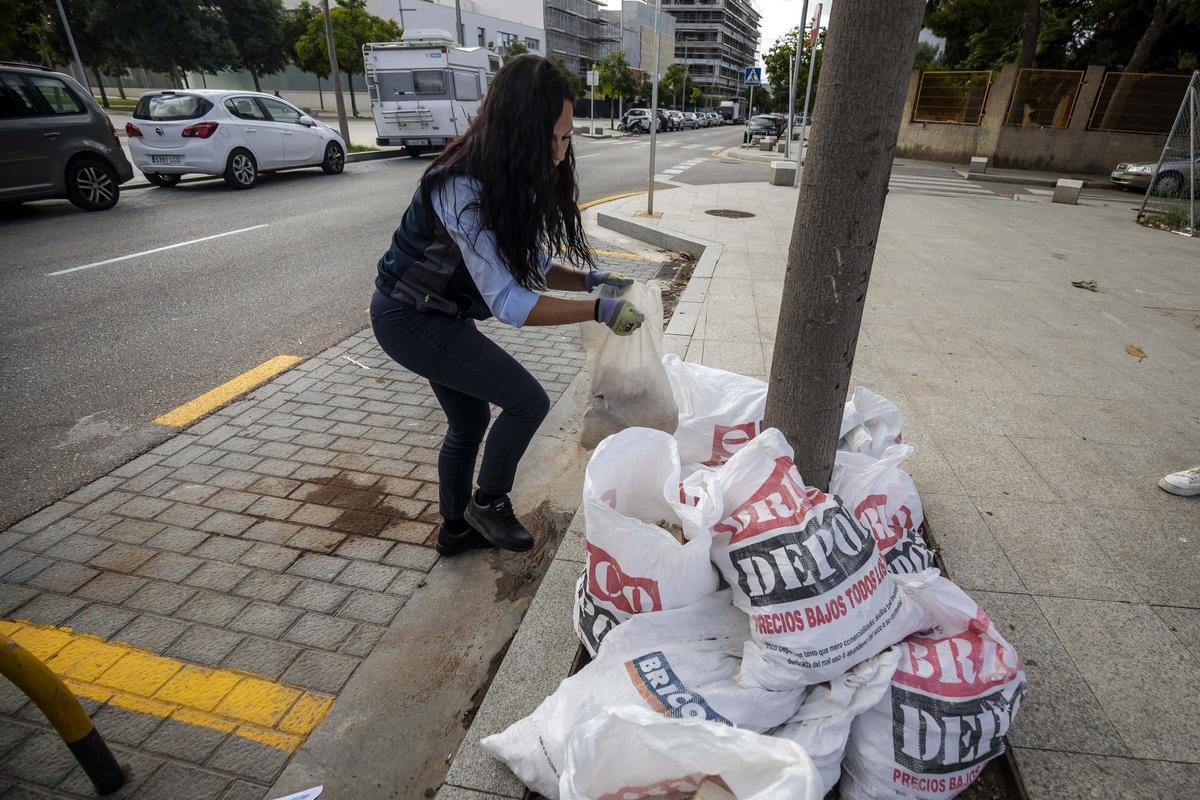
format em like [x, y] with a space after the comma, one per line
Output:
[737, 152]
[1049, 183]
[351, 158]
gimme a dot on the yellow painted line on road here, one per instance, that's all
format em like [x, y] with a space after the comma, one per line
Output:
[591, 203]
[215, 398]
[248, 705]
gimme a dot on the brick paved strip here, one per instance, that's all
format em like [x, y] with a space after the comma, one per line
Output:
[253, 707]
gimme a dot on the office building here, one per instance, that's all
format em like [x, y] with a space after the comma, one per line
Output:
[631, 30]
[493, 24]
[577, 31]
[716, 40]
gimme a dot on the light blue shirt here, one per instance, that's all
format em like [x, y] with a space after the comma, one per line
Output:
[508, 300]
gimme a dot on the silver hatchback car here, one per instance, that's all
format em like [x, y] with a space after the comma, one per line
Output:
[56, 141]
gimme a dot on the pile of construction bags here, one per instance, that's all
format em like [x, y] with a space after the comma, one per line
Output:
[747, 626]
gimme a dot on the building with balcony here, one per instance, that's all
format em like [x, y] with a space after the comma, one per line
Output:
[716, 40]
[631, 29]
[493, 24]
[576, 32]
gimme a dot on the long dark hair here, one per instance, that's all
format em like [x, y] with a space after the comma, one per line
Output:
[527, 201]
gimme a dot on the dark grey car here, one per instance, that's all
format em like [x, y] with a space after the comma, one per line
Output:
[56, 141]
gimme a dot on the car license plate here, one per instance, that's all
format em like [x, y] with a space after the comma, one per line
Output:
[1117, 173]
[166, 159]
[417, 141]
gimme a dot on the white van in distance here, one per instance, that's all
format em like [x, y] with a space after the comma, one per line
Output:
[425, 89]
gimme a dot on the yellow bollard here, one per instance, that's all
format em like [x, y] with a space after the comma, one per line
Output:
[64, 712]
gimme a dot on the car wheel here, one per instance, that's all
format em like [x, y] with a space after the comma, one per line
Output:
[162, 179]
[414, 151]
[1169, 184]
[92, 184]
[335, 159]
[241, 171]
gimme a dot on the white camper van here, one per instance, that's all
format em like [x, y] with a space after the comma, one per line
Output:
[425, 90]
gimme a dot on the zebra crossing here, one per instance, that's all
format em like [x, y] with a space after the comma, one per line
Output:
[937, 186]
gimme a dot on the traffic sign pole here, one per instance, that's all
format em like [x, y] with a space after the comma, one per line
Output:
[592, 92]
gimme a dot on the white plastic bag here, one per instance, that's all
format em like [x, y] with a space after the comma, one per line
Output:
[950, 702]
[679, 663]
[628, 385]
[822, 726]
[634, 564]
[630, 753]
[884, 499]
[870, 423]
[812, 579]
[719, 411]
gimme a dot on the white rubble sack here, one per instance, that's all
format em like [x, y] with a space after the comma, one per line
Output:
[870, 423]
[628, 385]
[678, 663]
[817, 589]
[627, 753]
[884, 499]
[950, 702]
[822, 726]
[719, 411]
[634, 564]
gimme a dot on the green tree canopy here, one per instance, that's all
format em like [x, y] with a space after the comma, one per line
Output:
[167, 35]
[578, 83]
[514, 49]
[778, 61]
[353, 27]
[258, 33]
[616, 78]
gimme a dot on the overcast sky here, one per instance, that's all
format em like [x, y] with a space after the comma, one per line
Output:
[777, 17]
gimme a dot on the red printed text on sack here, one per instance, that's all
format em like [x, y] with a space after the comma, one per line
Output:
[608, 582]
[781, 501]
[964, 664]
[728, 439]
[872, 512]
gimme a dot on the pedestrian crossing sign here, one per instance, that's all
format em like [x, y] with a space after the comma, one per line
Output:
[752, 76]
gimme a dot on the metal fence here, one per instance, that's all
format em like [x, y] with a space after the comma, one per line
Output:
[1138, 102]
[1173, 186]
[1044, 98]
[953, 97]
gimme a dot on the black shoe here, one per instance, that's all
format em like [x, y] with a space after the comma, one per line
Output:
[451, 544]
[497, 523]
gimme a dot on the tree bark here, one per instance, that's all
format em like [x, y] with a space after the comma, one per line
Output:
[1033, 24]
[121, 87]
[100, 85]
[1160, 21]
[864, 77]
[320, 93]
[254, 75]
[353, 104]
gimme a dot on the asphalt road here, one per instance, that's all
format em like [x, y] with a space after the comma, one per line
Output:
[89, 357]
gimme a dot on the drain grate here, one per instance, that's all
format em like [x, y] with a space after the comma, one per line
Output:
[729, 213]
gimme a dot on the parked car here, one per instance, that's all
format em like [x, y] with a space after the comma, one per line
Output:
[637, 120]
[676, 118]
[1169, 181]
[714, 119]
[761, 125]
[689, 120]
[237, 135]
[664, 121]
[56, 141]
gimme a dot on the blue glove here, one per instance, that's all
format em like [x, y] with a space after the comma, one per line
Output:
[619, 315]
[596, 278]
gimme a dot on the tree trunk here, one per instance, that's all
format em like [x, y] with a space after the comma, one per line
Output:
[353, 103]
[837, 224]
[1033, 24]
[320, 93]
[254, 75]
[100, 85]
[121, 87]
[1160, 21]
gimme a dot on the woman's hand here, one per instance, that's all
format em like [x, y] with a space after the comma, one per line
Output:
[596, 278]
[621, 316]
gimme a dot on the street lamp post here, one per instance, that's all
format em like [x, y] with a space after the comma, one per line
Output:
[812, 67]
[335, 75]
[71, 41]
[787, 147]
[654, 108]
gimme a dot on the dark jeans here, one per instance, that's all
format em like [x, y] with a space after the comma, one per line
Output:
[467, 372]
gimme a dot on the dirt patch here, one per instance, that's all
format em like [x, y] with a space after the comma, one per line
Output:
[520, 573]
[674, 286]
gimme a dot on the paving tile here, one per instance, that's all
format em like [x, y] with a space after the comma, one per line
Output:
[245, 791]
[273, 507]
[271, 531]
[102, 621]
[991, 466]
[77, 547]
[42, 758]
[268, 587]
[318, 596]
[231, 500]
[177, 540]
[275, 487]
[175, 780]
[111, 587]
[184, 515]
[227, 523]
[217, 576]
[264, 620]
[314, 514]
[142, 507]
[1160, 554]
[195, 493]
[171, 567]
[316, 540]
[1060, 706]
[321, 672]
[1185, 624]
[211, 609]
[378, 609]
[364, 548]
[138, 767]
[317, 630]
[159, 597]
[270, 557]
[249, 759]
[407, 583]
[184, 741]
[121, 557]
[412, 557]
[262, 657]
[132, 531]
[13, 597]
[151, 632]
[1116, 646]
[28, 569]
[1070, 776]
[320, 567]
[973, 557]
[362, 641]
[223, 548]
[367, 576]
[123, 726]
[50, 609]
[62, 577]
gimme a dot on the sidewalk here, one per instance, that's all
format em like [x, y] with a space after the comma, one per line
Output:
[1039, 444]
[217, 599]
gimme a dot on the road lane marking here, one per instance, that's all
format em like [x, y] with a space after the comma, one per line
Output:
[589, 155]
[155, 250]
[598, 201]
[215, 398]
[242, 703]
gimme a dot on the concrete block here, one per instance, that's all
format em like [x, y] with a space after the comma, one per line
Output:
[782, 173]
[781, 146]
[979, 165]
[768, 143]
[1067, 191]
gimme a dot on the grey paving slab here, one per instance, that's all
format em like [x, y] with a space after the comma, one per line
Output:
[967, 542]
[1185, 624]
[990, 466]
[1073, 776]
[1140, 672]
[1158, 552]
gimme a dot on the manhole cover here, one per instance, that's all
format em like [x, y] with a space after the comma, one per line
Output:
[728, 212]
